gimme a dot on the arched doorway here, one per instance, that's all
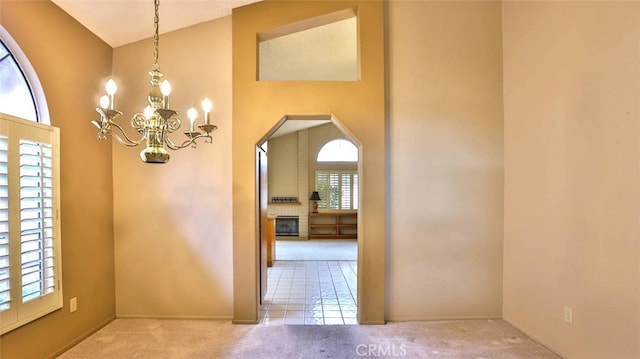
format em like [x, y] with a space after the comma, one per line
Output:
[314, 279]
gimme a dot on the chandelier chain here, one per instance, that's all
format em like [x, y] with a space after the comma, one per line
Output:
[156, 20]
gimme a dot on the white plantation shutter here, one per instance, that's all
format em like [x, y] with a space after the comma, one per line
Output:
[36, 219]
[354, 194]
[334, 191]
[322, 186]
[345, 191]
[5, 284]
[30, 260]
[338, 190]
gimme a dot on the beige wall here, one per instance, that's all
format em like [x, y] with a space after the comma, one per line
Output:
[572, 196]
[445, 153]
[283, 166]
[173, 221]
[257, 108]
[69, 60]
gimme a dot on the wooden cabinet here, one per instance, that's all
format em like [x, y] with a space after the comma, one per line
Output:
[333, 225]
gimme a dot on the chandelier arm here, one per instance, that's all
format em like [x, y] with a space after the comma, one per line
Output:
[191, 141]
[127, 141]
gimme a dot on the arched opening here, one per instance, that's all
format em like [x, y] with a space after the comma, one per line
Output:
[313, 277]
[21, 94]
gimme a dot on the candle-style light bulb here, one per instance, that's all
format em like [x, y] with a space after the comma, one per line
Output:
[148, 112]
[192, 113]
[165, 89]
[104, 101]
[206, 107]
[111, 88]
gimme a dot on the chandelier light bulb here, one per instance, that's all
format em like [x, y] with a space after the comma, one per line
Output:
[111, 87]
[104, 101]
[165, 88]
[206, 105]
[148, 112]
[192, 113]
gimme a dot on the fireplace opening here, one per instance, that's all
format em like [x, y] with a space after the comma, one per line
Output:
[287, 226]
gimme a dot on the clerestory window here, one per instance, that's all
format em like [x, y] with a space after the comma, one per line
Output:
[323, 48]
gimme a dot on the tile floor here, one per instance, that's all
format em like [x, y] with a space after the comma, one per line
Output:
[311, 293]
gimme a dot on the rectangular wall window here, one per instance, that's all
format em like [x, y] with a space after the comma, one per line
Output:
[30, 259]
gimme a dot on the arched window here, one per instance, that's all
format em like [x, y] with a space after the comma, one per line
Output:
[338, 188]
[30, 243]
[339, 150]
[21, 94]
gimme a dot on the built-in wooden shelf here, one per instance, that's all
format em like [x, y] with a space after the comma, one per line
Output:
[333, 225]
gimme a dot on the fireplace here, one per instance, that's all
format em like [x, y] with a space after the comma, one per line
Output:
[287, 226]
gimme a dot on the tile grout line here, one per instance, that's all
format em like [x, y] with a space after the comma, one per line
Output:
[297, 275]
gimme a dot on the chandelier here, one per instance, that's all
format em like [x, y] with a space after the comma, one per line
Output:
[157, 120]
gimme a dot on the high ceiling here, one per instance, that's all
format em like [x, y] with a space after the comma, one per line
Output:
[120, 22]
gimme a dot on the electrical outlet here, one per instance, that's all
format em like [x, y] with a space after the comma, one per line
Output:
[73, 304]
[568, 315]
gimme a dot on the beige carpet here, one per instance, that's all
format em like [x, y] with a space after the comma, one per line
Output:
[151, 338]
[317, 250]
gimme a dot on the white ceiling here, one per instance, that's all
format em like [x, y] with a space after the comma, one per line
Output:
[120, 22]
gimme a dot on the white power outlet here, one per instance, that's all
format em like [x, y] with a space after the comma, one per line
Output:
[568, 315]
[73, 304]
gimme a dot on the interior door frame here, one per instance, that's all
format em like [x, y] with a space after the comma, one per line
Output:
[262, 190]
[262, 215]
